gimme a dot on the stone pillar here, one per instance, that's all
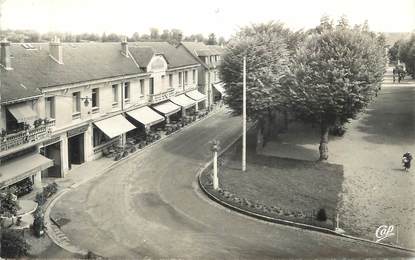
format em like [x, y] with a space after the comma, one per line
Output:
[64, 155]
[88, 145]
[37, 180]
[167, 119]
[197, 106]
[183, 112]
[215, 170]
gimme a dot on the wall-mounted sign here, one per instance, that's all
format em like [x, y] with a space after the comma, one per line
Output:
[77, 131]
[52, 141]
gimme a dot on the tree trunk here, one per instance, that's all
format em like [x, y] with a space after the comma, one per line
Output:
[260, 136]
[324, 140]
[285, 120]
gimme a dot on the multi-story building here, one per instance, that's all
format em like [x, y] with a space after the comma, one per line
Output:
[209, 56]
[91, 95]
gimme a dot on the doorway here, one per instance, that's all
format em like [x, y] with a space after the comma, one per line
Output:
[53, 152]
[75, 150]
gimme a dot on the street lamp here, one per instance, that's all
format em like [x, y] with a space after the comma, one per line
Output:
[244, 116]
[86, 100]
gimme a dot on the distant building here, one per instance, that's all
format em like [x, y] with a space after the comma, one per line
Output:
[92, 95]
[209, 56]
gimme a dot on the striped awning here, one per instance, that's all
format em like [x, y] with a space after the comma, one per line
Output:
[146, 116]
[22, 167]
[183, 101]
[114, 126]
[196, 95]
[220, 87]
[167, 108]
[23, 112]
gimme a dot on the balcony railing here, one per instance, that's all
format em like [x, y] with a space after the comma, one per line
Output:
[156, 98]
[31, 135]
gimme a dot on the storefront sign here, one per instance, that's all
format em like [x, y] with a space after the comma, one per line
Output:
[52, 141]
[77, 131]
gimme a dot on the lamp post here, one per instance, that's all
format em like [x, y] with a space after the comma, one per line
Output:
[215, 148]
[244, 117]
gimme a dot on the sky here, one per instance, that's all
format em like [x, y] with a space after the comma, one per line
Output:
[221, 17]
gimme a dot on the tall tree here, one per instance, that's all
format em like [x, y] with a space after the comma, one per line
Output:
[176, 36]
[267, 66]
[165, 36]
[338, 71]
[407, 54]
[154, 34]
[211, 39]
[135, 37]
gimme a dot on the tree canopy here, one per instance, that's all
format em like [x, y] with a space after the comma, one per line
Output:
[267, 64]
[267, 60]
[407, 54]
[338, 70]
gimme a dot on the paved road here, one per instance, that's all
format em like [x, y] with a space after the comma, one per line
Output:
[150, 206]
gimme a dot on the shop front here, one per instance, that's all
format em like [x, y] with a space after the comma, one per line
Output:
[218, 92]
[113, 128]
[170, 110]
[52, 149]
[199, 98]
[76, 149]
[147, 122]
[187, 104]
[25, 167]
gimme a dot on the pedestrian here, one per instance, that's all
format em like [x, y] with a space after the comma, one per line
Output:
[406, 160]
[394, 74]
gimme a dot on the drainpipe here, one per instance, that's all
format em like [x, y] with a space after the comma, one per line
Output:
[123, 136]
[209, 91]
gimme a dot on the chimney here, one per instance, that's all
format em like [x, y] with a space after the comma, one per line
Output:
[55, 50]
[5, 55]
[124, 47]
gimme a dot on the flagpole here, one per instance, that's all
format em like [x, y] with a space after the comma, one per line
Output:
[244, 117]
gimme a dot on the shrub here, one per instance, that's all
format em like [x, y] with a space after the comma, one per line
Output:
[38, 222]
[40, 198]
[13, 245]
[50, 189]
[321, 215]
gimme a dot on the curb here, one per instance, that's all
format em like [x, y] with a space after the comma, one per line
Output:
[282, 221]
[56, 234]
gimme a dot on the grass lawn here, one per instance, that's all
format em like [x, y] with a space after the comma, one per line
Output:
[286, 184]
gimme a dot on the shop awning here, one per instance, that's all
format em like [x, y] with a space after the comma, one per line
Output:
[220, 87]
[114, 126]
[22, 167]
[183, 101]
[167, 108]
[23, 112]
[196, 95]
[146, 116]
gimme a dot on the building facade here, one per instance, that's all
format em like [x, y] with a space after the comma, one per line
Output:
[209, 57]
[84, 97]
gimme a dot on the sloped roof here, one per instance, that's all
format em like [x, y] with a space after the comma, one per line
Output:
[142, 55]
[199, 49]
[34, 69]
[175, 57]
